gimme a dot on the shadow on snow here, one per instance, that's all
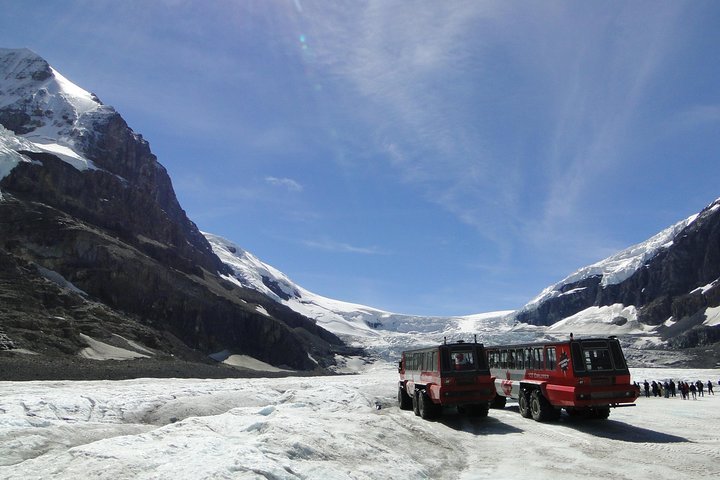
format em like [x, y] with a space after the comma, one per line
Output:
[621, 431]
[475, 425]
[609, 429]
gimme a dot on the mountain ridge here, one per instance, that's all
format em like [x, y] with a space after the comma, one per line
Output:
[599, 299]
[91, 226]
[83, 197]
[672, 281]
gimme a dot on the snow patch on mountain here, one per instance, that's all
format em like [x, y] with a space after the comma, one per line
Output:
[599, 321]
[9, 156]
[11, 145]
[712, 317]
[97, 350]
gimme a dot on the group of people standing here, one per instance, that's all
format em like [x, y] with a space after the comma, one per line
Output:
[668, 389]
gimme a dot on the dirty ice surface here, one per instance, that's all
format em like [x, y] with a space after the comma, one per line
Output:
[339, 427]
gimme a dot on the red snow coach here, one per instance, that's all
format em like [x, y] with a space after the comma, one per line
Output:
[449, 374]
[585, 377]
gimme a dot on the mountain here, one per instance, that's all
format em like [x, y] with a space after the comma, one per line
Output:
[659, 297]
[96, 252]
[379, 333]
[98, 260]
[667, 287]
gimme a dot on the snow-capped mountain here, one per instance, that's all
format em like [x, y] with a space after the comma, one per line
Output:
[617, 268]
[379, 332]
[38, 93]
[89, 218]
[666, 290]
[96, 252]
[50, 112]
[583, 303]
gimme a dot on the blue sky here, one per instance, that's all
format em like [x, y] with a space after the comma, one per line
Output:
[423, 157]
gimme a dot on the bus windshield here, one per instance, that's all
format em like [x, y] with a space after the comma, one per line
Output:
[467, 358]
[598, 356]
[597, 359]
[462, 360]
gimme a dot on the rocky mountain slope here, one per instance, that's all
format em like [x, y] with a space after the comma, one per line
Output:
[94, 244]
[670, 284]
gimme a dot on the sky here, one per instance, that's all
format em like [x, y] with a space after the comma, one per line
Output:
[429, 158]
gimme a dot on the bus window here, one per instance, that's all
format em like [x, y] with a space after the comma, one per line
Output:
[446, 363]
[511, 359]
[493, 359]
[539, 359]
[577, 358]
[481, 360]
[520, 358]
[617, 355]
[551, 358]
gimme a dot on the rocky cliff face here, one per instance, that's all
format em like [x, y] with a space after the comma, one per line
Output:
[672, 287]
[84, 200]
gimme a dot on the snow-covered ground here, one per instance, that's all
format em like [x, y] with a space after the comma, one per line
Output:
[331, 427]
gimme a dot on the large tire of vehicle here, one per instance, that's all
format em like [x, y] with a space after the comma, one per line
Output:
[416, 403]
[498, 402]
[426, 407]
[404, 400]
[524, 404]
[540, 408]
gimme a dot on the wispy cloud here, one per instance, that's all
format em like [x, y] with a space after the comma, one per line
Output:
[411, 73]
[285, 183]
[506, 115]
[605, 82]
[340, 247]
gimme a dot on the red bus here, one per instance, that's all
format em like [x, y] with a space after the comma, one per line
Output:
[449, 374]
[584, 376]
